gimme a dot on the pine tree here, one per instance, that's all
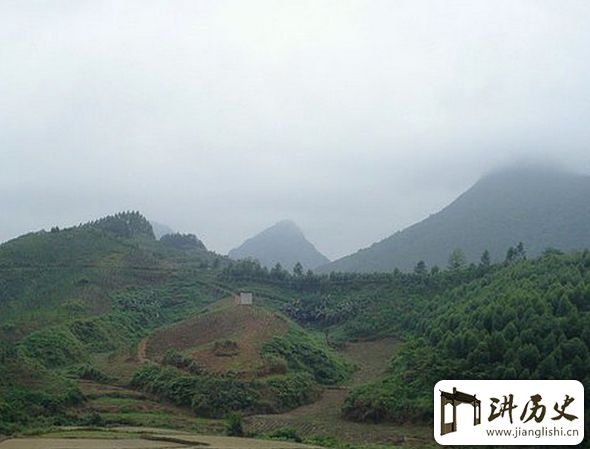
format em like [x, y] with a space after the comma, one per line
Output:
[485, 260]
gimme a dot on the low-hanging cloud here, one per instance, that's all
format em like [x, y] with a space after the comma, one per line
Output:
[353, 118]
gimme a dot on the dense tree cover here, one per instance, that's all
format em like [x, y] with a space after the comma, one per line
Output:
[182, 241]
[528, 320]
[125, 225]
[71, 295]
[216, 395]
[522, 318]
[304, 352]
[48, 278]
[324, 310]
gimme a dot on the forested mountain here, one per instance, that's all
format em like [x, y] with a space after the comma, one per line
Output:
[524, 319]
[539, 207]
[105, 305]
[282, 243]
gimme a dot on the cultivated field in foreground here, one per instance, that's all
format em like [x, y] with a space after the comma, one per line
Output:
[134, 438]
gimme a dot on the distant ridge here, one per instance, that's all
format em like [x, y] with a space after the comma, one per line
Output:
[282, 243]
[538, 206]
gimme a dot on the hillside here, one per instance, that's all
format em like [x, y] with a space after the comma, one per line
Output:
[538, 207]
[106, 307]
[282, 243]
[49, 277]
[524, 320]
[102, 324]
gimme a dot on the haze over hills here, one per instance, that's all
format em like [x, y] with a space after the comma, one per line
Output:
[282, 243]
[540, 207]
[161, 229]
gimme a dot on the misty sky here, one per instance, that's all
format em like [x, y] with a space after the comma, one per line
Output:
[354, 119]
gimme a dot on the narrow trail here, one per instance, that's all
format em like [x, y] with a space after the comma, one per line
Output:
[323, 417]
[141, 348]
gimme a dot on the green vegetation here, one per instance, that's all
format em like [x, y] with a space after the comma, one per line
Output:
[527, 320]
[208, 395]
[124, 225]
[182, 241]
[523, 318]
[215, 395]
[101, 321]
[539, 207]
[304, 352]
[285, 434]
[234, 425]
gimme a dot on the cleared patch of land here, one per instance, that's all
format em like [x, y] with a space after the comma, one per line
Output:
[83, 443]
[131, 438]
[323, 417]
[206, 337]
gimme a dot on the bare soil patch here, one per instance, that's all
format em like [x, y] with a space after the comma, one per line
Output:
[246, 328]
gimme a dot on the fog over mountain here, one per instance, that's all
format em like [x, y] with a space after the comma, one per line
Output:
[282, 243]
[161, 229]
[354, 118]
[539, 207]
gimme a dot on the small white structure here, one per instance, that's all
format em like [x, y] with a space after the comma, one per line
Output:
[244, 299]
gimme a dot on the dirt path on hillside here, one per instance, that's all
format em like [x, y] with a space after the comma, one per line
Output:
[323, 417]
[141, 347]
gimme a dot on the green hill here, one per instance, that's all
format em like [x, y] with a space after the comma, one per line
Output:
[77, 304]
[525, 319]
[538, 207]
[102, 322]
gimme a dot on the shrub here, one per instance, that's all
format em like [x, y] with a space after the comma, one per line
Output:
[225, 348]
[180, 361]
[306, 353]
[53, 347]
[182, 241]
[286, 434]
[293, 390]
[89, 372]
[234, 425]
[273, 364]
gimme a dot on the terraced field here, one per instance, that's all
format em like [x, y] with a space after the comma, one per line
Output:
[118, 405]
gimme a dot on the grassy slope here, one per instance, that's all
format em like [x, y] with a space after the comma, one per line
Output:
[77, 303]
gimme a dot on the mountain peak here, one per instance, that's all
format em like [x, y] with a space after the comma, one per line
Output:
[285, 227]
[283, 243]
[539, 206]
[124, 224]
